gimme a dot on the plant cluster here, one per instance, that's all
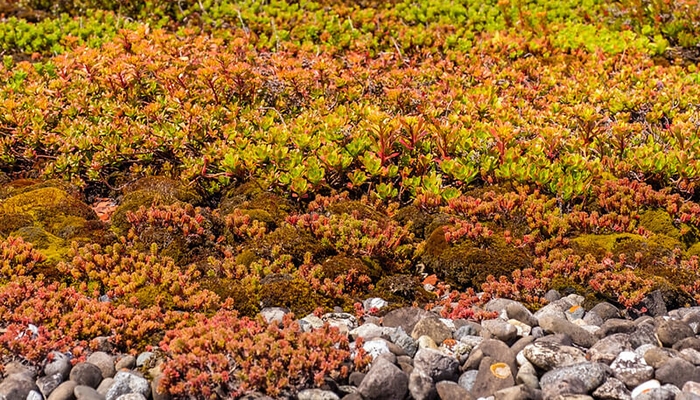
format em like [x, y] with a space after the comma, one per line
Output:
[225, 354]
[312, 154]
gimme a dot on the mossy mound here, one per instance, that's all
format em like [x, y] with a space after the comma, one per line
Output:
[149, 296]
[416, 219]
[20, 186]
[169, 236]
[294, 242]
[46, 205]
[257, 203]
[13, 221]
[340, 265]
[661, 222]
[643, 252]
[295, 294]
[245, 299]
[166, 187]
[402, 290]
[51, 209]
[52, 247]
[468, 264]
[356, 209]
[149, 191]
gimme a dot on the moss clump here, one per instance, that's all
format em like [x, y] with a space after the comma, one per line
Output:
[292, 293]
[261, 215]
[45, 205]
[83, 231]
[694, 250]
[340, 265]
[170, 243]
[356, 208]
[259, 204]
[290, 240]
[469, 264]
[661, 222]
[403, 290]
[149, 191]
[166, 187]
[246, 257]
[49, 205]
[244, 297]
[21, 186]
[10, 222]
[52, 247]
[644, 252]
[434, 246]
[149, 296]
[417, 219]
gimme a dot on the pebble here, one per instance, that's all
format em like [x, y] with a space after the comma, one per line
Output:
[104, 362]
[86, 374]
[559, 352]
[631, 369]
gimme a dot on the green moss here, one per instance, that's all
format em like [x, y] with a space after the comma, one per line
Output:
[149, 296]
[10, 222]
[46, 204]
[166, 188]
[21, 186]
[417, 219]
[694, 250]
[50, 206]
[261, 205]
[262, 216]
[295, 242]
[245, 299]
[52, 247]
[469, 264]
[659, 221]
[402, 289]
[292, 293]
[149, 191]
[340, 265]
[170, 243]
[246, 257]
[652, 249]
[356, 208]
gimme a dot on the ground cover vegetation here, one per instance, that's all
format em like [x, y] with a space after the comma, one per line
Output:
[313, 154]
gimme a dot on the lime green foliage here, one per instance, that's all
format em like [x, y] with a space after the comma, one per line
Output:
[54, 35]
[311, 154]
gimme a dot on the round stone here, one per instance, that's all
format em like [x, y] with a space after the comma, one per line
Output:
[501, 370]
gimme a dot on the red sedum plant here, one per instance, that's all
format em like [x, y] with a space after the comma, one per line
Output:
[227, 355]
